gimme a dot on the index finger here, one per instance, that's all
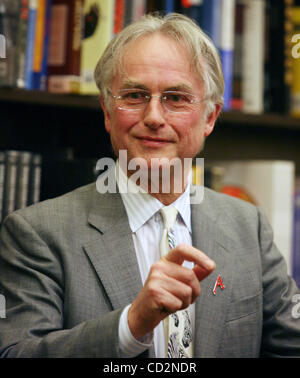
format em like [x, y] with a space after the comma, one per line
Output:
[187, 252]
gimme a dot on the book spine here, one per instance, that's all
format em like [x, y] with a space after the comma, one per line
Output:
[9, 14]
[10, 181]
[21, 44]
[236, 102]
[226, 47]
[34, 179]
[2, 176]
[192, 9]
[39, 43]
[30, 44]
[295, 88]
[212, 19]
[138, 9]
[44, 68]
[253, 56]
[65, 38]
[169, 6]
[98, 31]
[22, 185]
[119, 16]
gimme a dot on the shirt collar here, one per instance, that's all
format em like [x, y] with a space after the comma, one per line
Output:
[141, 206]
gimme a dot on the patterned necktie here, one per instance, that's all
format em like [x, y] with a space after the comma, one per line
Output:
[178, 329]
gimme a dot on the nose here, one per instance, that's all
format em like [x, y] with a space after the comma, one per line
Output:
[154, 113]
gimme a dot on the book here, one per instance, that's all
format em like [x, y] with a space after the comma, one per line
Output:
[296, 234]
[30, 44]
[295, 87]
[64, 55]
[169, 6]
[191, 8]
[253, 56]
[22, 180]
[9, 11]
[2, 175]
[21, 44]
[40, 53]
[277, 97]
[98, 31]
[269, 185]
[10, 180]
[226, 47]
[31, 29]
[288, 59]
[138, 9]
[236, 100]
[42, 76]
[211, 20]
[119, 16]
[34, 183]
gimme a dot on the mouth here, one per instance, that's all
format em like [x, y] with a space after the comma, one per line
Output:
[153, 141]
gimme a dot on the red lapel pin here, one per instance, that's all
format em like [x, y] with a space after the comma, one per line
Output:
[219, 282]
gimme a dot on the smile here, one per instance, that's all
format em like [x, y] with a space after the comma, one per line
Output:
[153, 142]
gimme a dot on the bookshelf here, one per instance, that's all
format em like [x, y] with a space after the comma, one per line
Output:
[49, 123]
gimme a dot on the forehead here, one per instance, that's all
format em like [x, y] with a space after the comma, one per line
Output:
[156, 59]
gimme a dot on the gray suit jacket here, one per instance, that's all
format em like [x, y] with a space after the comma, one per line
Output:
[68, 268]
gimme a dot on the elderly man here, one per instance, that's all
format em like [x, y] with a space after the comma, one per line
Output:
[148, 272]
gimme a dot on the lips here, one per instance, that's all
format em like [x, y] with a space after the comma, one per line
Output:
[154, 139]
[153, 142]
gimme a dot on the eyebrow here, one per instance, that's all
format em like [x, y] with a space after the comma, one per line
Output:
[183, 87]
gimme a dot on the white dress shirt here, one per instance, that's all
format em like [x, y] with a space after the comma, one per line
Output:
[146, 225]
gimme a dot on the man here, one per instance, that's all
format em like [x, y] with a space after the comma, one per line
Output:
[84, 275]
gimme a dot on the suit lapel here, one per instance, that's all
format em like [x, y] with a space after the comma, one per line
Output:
[112, 252]
[211, 309]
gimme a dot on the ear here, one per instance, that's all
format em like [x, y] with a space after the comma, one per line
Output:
[211, 119]
[107, 121]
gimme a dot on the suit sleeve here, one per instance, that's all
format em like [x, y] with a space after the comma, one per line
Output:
[281, 328]
[32, 282]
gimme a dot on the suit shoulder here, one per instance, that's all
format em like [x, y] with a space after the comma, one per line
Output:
[228, 206]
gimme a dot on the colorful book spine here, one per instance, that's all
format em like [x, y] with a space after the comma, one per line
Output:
[98, 31]
[119, 16]
[192, 9]
[212, 19]
[253, 56]
[169, 6]
[42, 83]
[30, 44]
[295, 88]
[226, 47]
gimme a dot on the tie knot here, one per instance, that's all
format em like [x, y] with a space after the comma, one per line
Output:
[169, 214]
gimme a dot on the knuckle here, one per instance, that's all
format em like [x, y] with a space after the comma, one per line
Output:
[190, 275]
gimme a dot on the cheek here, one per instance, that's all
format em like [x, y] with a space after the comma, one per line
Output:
[191, 130]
